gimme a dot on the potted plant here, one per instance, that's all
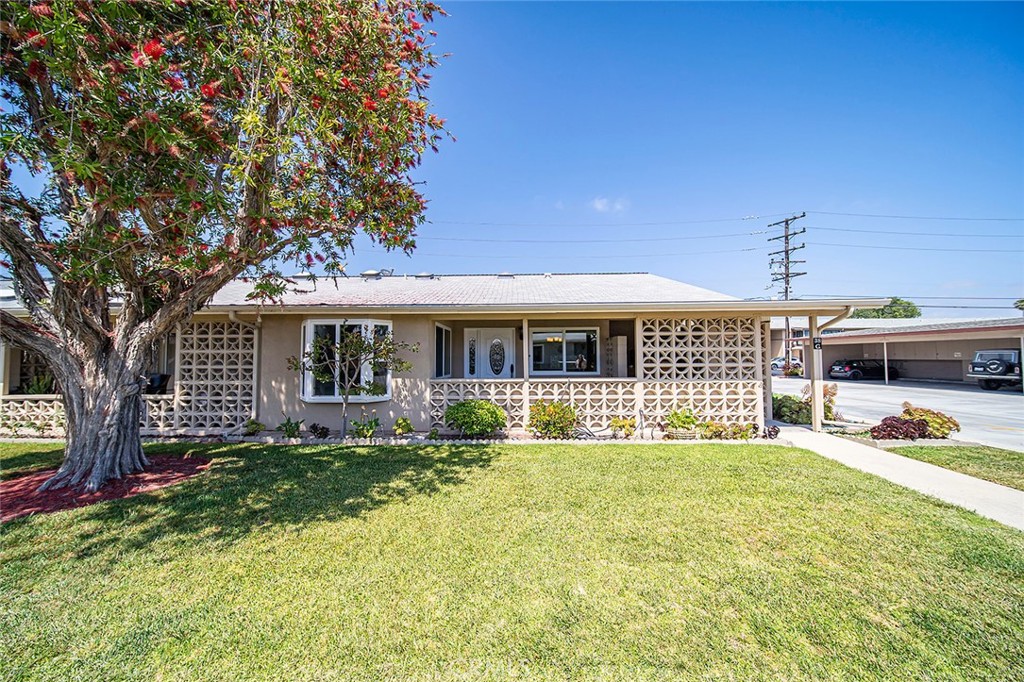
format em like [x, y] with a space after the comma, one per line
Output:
[681, 425]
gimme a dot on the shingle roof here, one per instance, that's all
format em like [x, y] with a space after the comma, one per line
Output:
[877, 323]
[485, 290]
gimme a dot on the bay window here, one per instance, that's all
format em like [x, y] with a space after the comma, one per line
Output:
[373, 382]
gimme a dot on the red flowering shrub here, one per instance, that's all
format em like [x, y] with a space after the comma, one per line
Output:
[897, 428]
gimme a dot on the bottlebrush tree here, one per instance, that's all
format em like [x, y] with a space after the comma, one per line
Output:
[180, 144]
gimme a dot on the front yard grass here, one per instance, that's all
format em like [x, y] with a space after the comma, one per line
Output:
[527, 562]
[1005, 467]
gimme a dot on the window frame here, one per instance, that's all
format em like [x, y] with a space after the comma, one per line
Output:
[307, 380]
[439, 372]
[563, 332]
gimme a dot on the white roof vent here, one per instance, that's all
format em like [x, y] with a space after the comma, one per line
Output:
[425, 275]
[370, 274]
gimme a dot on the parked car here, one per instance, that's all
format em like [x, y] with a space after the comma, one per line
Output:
[861, 369]
[777, 363]
[995, 368]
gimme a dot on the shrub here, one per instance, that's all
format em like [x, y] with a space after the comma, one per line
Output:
[791, 371]
[681, 419]
[365, 428]
[718, 431]
[319, 431]
[552, 420]
[290, 427]
[790, 409]
[939, 425]
[403, 425]
[625, 425]
[252, 427]
[897, 428]
[434, 434]
[475, 418]
[771, 432]
[793, 410]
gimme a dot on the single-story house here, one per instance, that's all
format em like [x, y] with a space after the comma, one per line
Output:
[614, 344]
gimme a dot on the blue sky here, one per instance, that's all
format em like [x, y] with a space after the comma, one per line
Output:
[582, 126]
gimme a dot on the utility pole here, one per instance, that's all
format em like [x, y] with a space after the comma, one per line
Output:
[782, 267]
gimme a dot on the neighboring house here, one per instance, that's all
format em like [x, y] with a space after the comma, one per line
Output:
[614, 344]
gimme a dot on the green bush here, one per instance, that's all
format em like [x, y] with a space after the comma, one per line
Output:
[681, 419]
[252, 427]
[719, 431]
[475, 418]
[290, 427]
[790, 409]
[939, 425]
[403, 425]
[625, 425]
[552, 420]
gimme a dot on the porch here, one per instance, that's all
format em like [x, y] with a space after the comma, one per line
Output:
[207, 384]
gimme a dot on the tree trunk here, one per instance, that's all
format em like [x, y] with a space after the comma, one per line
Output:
[103, 407]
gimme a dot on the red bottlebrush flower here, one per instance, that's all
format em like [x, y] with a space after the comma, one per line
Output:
[309, 260]
[197, 206]
[140, 60]
[92, 40]
[210, 90]
[180, 251]
[409, 45]
[174, 83]
[41, 10]
[320, 257]
[382, 93]
[369, 104]
[204, 247]
[153, 49]
[34, 39]
[416, 25]
[36, 70]
[152, 116]
[346, 84]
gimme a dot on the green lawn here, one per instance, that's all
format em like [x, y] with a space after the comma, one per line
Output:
[992, 464]
[497, 562]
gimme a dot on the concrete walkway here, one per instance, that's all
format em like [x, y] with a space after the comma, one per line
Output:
[991, 500]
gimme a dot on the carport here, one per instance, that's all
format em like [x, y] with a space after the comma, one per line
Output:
[928, 352]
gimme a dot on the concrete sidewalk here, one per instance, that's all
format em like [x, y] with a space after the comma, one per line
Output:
[991, 500]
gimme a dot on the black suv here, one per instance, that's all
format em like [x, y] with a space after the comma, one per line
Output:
[861, 369]
[995, 368]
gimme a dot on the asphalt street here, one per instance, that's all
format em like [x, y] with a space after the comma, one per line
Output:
[989, 417]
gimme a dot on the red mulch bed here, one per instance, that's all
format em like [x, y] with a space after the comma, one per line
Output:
[20, 496]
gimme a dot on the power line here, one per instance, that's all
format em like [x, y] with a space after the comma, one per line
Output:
[627, 224]
[916, 217]
[912, 248]
[915, 234]
[575, 256]
[589, 241]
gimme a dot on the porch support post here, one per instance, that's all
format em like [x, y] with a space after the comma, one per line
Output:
[3, 368]
[885, 360]
[527, 363]
[638, 385]
[176, 421]
[764, 367]
[813, 359]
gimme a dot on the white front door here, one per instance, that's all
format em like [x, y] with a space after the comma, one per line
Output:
[490, 353]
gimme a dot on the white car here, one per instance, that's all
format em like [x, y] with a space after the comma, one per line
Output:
[777, 363]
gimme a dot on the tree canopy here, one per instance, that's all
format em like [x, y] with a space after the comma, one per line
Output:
[898, 307]
[183, 143]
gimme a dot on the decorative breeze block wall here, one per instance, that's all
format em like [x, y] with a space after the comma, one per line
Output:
[215, 387]
[508, 395]
[597, 401]
[698, 349]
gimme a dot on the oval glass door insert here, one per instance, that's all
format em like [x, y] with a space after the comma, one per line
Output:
[496, 356]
